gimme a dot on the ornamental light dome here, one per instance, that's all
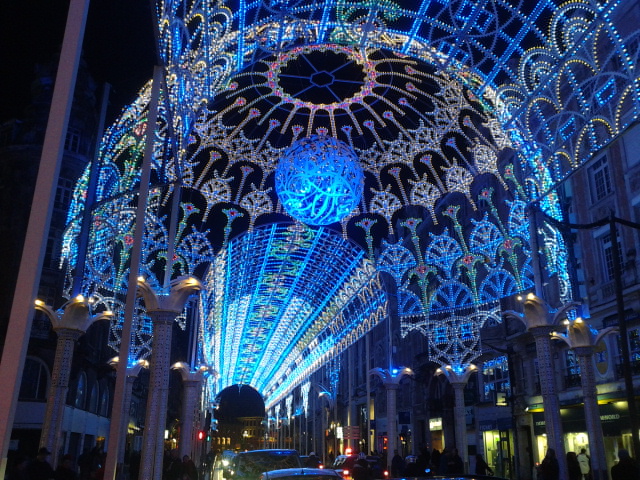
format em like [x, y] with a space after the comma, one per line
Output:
[319, 180]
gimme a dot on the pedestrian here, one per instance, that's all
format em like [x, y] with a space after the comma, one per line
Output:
[549, 468]
[20, 470]
[360, 469]
[482, 467]
[435, 460]
[313, 461]
[173, 470]
[585, 463]
[424, 459]
[455, 464]
[189, 469]
[40, 468]
[573, 466]
[65, 470]
[397, 465]
[443, 466]
[626, 468]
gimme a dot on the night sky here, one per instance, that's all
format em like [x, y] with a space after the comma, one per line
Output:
[118, 47]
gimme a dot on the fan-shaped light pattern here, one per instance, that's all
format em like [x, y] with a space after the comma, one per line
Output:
[319, 180]
[281, 299]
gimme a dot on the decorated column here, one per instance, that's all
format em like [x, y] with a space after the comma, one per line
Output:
[541, 322]
[132, 374]
[163, 310]
[391, 381]
[458, 378]
[191, 385]
[583, 340]
[69, 325]
[330, 397]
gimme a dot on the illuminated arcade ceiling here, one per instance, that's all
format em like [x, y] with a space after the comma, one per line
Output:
[460, 112]
[282, 299]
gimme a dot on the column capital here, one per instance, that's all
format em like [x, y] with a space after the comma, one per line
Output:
[174, 301]
[162, 317]
[68, 333]
[541, 330]
[391, 376]
[457, 375]
[584, 351]
[74, 315]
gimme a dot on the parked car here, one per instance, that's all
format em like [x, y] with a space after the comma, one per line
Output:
[301, 474]
[343, 465]
[250, 465]
[305, 462]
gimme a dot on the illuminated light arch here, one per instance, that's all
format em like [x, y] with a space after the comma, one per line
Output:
[493, 60]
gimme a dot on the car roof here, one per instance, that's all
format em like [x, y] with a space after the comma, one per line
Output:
[290, 472]
[278, 450]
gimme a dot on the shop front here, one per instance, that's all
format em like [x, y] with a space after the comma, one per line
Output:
[497, 438]
[614, 417]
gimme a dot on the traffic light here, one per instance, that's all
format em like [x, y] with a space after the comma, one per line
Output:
[201, 435]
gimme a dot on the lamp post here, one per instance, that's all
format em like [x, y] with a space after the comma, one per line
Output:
[582, 340]
[391, 381]
[163, 310]
[540, 321]
[69, 326]
[458, 378]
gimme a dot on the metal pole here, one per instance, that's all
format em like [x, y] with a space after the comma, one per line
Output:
[94, 175]
[21, 317]
[119, 408]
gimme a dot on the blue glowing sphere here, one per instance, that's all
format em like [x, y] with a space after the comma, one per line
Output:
[319, 180]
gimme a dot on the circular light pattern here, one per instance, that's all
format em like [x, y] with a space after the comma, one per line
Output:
[319, 180]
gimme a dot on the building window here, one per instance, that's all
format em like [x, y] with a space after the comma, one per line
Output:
[81, 391]
[104, 400]
[35, 380]
[93, 398]
[72, 140]
[63, 193]
[634, 353]
[571, 369]
[600, 179]
[634, 345]
[607, 255]
[495, 378]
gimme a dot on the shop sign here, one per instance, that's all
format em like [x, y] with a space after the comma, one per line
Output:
[573, 420]
[486, 425]
[435, 424]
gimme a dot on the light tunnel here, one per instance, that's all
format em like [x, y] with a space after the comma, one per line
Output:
[461, 115]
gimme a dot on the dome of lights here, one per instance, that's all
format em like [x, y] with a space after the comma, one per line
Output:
[460, 114]
[319, 180]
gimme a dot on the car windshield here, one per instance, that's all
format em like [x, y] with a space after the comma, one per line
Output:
[341, 461]
[254, 463]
